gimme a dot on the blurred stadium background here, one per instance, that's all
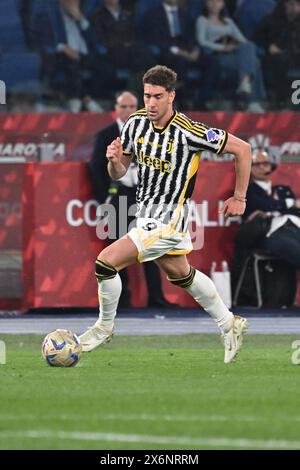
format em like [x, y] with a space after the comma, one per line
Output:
[48, 241]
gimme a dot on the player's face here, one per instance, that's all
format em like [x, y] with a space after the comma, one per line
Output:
[261, 167]
[158, 103]
[126, 104]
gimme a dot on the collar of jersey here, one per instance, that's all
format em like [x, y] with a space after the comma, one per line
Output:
[162, 130]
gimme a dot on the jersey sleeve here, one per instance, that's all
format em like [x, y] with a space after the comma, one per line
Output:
[126, 137]
[203, 137]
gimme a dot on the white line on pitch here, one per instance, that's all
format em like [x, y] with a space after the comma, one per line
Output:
[148, 417]
[149, 439]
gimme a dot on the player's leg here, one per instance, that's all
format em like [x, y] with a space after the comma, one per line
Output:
[113, 258]
[118, 255]
[198, 285]
[203, 290]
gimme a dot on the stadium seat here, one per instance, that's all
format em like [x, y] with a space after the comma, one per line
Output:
[89, 6]
[39, 5]
[8, 9]
[11, 31]
[256, 257]
[12, 39]
[143, 6]
[21, 72]
[195, 8]
[45, 25]
[250, 14]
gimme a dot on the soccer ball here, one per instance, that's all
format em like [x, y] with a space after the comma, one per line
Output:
[61, 348]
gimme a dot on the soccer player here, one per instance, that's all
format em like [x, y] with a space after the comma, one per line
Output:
[167, 146]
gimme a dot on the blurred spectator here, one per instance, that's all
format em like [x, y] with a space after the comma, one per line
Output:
[279, 206]
[271, 223]
[233, 53]
[249, 15]
[167, 29]
[65, 39]
[115, 29]
[130, 5]
[279, 35]
[109, 191]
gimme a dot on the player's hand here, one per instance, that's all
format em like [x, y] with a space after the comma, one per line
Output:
[232, 207]
[114, 151]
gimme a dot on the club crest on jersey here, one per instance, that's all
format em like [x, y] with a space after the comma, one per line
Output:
[170, 146]
[213, 135]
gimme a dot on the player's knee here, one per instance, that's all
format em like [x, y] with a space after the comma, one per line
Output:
[185, 281]
[104, 270]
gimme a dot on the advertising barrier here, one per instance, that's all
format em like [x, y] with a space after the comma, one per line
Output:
[65, 136]
[61, 244]
[48, 240]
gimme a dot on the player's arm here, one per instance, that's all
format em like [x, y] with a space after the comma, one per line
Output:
[236, 204]
[118, 162]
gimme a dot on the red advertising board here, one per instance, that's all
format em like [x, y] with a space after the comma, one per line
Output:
[60, 232]
[67, 136]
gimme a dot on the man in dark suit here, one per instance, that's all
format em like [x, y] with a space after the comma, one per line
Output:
[169, 27]
[271, 223]
[279, 205]
[107, 190]
[170, 31]
[115, 29]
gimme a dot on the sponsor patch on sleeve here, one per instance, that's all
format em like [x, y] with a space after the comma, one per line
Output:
[214, 135]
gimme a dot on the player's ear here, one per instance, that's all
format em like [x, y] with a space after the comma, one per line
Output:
[172, 95]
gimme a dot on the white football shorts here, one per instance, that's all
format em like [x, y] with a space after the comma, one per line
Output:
[154, 239]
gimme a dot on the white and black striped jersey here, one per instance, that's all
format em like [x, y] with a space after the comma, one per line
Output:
[168, 160]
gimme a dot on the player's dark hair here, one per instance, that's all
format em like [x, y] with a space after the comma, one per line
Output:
[161, 75]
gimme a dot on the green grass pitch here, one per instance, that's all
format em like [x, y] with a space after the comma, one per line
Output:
[152, 392]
